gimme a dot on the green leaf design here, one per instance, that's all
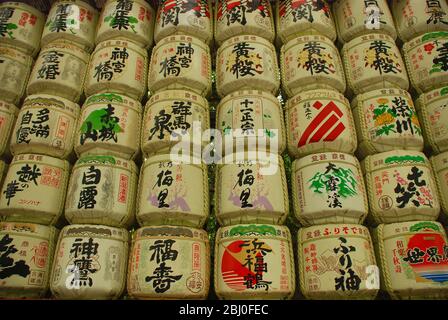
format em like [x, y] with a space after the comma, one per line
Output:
[227, 130]
[434, 35]
[96, 159]
[11, 26]
[251, 229]
[104, 97]
[108, 18]
[435, 70]
[95, 119]
[424, 225]
[385, 130]
[133, 20]
[378, 111]
[316, 183]
[392, 112]
[346, 182]
[269, 133]
[404, 159]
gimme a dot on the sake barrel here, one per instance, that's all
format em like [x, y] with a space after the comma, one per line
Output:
[295, 18]
[311, 62]
[109, 124]
[15, 71]
[328, 188]
[439, 165]
[102, 190]
[27, 253]
[372, 62]
[251, 116]
[234, 18]
[169, 262]
[46, 125]
[413, 259]
[416, 17]
[427, 61]
[355, 18]
[319, 121]
[129, 19]
[180, 62]
[34, 189]
[433, 114]
[90, 263]
[166, 196]
[337, 262]
[60, 70]
[401, 187]
[254, 262]
[174, 116]
[8, 117]
[246, 62]
[386, 120]
[191, 17]
[118, 66]
[247, 192]
[72, 20]
[22, 26]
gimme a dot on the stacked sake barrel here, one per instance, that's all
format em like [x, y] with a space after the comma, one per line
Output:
[253, 249]
[402, 192]
[40, 141]
[92, 253]
[412, 244]
[335, 252]
[170, 253]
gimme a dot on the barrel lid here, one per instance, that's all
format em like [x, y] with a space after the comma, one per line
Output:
[41, 159]
[434, 95]
[120, 42]
[316, 94]
[97, 231]
[366, 38]
[67, 46]
[346, 229]
[412, 227]
[182, 38]
[253, 93]
[23, 6]
[324, 157]
[394, 158]
[46, 100]
[13, 53]
[430, 36]
[178, 95]
[115, 98]
[381, 92]
[254, 230]
[106, 161]
[156, 232]
[193, 161]
[245, 38]
[28, 229]
[302, 39]
[262, 158]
